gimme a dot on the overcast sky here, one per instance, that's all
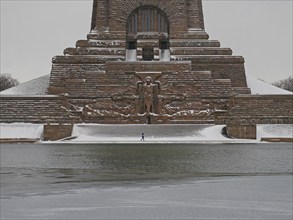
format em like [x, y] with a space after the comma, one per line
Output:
[33, 31]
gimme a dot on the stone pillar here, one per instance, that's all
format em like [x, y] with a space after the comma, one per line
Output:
[94, 16]
[131, 55]
[164, 48]
[194, 15]
[131, 49]
[102, 15]
[164, 54]
[53, 132]
[241, 131]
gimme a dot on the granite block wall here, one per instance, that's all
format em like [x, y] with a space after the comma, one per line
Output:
[34, 109]
[246, 111]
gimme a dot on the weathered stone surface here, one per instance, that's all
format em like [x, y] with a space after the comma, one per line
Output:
[245, 111]
[242, 131]
[53, 132]
[34, 109]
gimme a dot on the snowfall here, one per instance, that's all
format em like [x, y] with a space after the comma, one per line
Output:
[131, 133]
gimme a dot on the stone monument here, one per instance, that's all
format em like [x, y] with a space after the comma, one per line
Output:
[148, 62]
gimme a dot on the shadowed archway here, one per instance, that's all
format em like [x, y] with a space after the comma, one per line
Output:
[147, 19]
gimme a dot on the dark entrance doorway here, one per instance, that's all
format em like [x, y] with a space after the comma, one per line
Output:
[147, 53]
[147, 19]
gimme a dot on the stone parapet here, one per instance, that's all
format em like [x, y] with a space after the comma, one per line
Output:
[102, 43]
[130, 66]
[246, 111]
[34, 109]
[191, 35]
[200, 51]
[113, 35]
[240, 90]
[194, 43]
[122, 43]
[83, 59]
[211, 59]
[180, 51]
[95, 51]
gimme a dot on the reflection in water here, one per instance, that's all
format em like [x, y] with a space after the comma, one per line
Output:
[28, 167]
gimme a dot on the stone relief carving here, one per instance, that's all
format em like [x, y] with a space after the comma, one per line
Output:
[148, 95]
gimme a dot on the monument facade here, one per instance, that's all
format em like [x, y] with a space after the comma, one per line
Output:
[148, 62]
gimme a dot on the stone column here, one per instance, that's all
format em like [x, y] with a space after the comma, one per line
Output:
[102, 15]
[194, 15]
[94, 16]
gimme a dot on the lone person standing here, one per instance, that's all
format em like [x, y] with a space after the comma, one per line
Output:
[142, 137]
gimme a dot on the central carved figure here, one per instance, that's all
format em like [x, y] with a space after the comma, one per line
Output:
[148, 94]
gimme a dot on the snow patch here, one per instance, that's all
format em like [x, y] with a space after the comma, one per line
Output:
[21, 130]
[274, 131]
[259, 87]
[37, 86]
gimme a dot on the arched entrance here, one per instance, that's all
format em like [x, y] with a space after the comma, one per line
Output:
[147, 22]
[147, 19]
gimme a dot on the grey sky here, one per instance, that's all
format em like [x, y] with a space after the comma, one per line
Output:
[34, 31]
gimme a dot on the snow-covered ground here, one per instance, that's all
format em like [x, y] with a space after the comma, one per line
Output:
[152, 133]
[21, 130]
[98, 133]
[170, 133]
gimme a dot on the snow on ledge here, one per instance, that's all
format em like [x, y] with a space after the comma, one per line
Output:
[21, 130]
[274, 131]
[259, 87]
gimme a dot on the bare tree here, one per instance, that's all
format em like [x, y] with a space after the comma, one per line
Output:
[286, 84]
[7, 81]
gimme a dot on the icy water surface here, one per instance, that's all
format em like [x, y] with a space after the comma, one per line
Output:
[146, 181]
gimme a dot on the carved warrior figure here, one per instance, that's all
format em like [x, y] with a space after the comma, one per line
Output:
[148, 95]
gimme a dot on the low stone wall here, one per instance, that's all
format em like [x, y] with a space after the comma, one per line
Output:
[53, 132]
[289, 140]
[246, 111]
[34, 109]
[241, 131]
